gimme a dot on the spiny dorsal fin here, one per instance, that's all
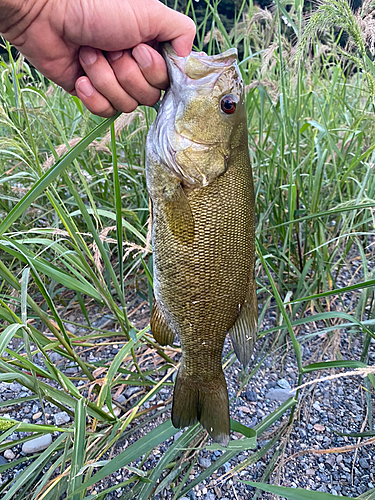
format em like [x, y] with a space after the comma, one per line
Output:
[159, 327]
[244, 332]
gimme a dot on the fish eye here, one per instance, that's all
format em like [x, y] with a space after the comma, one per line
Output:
[228, 104]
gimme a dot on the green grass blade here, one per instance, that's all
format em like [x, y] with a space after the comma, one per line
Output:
[294, 493]
[51, 175]
[134, 451]
[79, 449]
[34, 468]
[7, 335]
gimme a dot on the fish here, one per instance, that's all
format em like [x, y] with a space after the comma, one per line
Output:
[200, 184]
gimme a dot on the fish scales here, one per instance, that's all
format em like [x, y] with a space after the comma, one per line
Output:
[203, 240]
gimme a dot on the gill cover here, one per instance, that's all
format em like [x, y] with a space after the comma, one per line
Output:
[192, 135]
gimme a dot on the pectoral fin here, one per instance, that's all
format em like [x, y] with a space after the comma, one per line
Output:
[178, 214]
[159, 327]
[244, 332]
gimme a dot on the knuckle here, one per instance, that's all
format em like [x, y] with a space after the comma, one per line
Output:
[101, 110]
[129, 107]
[151, 98]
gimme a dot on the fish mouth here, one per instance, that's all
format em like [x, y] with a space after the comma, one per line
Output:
[198, 65]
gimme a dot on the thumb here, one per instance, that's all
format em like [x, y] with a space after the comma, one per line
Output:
[177, 29]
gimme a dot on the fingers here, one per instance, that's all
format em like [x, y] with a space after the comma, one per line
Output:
[142, 73]
[178, 29]
[92, 99]
[152, 65]
[122, 80]
[100, 91]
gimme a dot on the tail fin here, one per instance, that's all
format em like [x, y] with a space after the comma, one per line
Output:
[207, 402]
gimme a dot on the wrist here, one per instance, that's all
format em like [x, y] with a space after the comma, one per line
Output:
[17, 15]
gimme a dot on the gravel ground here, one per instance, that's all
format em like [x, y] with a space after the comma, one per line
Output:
[334, 404]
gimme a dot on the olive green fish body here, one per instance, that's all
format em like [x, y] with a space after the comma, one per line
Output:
[203, 247]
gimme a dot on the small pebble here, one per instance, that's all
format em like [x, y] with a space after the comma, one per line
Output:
[319, 427]
[177, 435]
[364, 463]
[61, 418]
[9, 455]
[121, 399]
[317, 406]
[283, 383]
[130, 391]
[116, 410]
[3, 461]
[251, 396]
[330, 460]
[227, 466]
[37, 416]
[15, 387]
[280, 395]
[37, 444]
[204, 462]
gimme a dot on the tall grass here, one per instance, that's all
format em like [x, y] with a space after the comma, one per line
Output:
[74, 240]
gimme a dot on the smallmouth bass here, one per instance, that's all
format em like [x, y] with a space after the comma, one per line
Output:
[201, 191]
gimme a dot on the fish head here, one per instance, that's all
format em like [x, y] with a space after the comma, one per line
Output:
[202, 116]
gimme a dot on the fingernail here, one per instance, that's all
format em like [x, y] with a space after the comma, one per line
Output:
[85, 87]
[88, 55]
[113, 56]
[142, 56]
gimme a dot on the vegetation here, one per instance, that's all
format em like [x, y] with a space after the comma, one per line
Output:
[74, 240]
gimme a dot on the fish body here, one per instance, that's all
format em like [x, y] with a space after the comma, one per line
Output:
[202, 201]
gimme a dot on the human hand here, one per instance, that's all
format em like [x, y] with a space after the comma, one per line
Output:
[65, 39]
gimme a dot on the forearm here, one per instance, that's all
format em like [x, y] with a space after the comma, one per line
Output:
[17, 15]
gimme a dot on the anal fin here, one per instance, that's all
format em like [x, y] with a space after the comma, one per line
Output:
[244, 331]
[160, 328]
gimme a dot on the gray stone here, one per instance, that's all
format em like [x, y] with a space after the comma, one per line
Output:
[9, 455]
[283, 383]
[15, 387]
[3, 461]
[364, 463]
[361, 489]
[55, 357]
[61, 418]
[316, 406]
[37, 444]
[72, 370]
[130, 391]
[253, 422]
[177, 435]
[280, 395]
[204, 462]
[121, 399]
[251, 396]
[330, 460]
